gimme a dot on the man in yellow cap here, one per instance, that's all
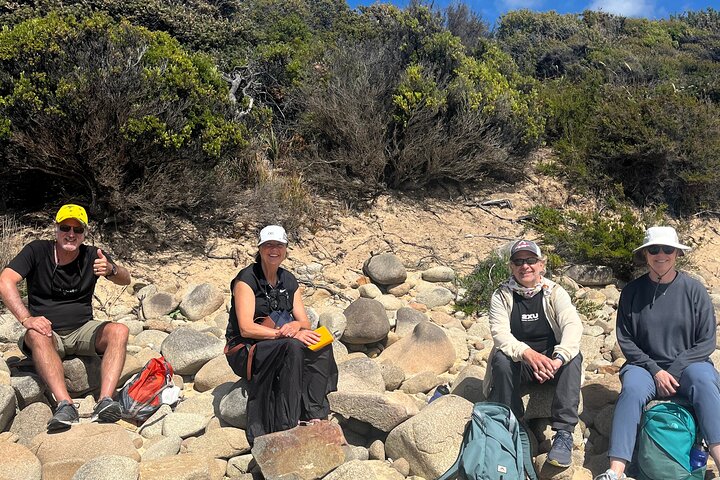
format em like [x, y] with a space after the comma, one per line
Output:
[61, 275]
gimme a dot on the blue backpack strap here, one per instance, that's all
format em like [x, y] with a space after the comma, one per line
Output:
[527, 454]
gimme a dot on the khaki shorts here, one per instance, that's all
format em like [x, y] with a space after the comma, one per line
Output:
[80, 341]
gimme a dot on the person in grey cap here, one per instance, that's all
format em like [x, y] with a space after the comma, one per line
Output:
[536, 333]
[268, 336]
[666, 331]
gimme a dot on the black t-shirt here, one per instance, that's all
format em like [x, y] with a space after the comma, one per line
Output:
[529, 324]
[61, 293]
[268, 299]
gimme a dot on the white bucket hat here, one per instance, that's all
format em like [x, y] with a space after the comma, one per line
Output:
[660, 236]
[274, 233]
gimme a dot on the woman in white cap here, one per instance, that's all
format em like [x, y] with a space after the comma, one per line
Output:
[666, 330]
[536, 333]
[287, 382]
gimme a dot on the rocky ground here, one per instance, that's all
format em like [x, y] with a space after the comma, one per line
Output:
[399, 337]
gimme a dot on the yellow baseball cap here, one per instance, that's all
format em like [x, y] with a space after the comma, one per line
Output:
[71, 210]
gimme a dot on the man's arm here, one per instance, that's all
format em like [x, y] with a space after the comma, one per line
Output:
[104, 267]
[9, 280]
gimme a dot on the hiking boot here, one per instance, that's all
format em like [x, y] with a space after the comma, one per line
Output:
[560, 454]
[107, 410]
[610, 475]
[65, 415]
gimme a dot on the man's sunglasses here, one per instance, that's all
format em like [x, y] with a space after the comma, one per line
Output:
[518, 262]
[655, 249]
[67, 228]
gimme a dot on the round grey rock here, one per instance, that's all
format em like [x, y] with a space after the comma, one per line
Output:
[108, 467]
[164, 447]
[439, 274]
[31, 421]
[10, 329]
[184, 424]
[201, 301]
[188, 350]
[7, 405]
[385, 269]
[158, 304]
[406, 320]
[360, 375]
[335, 321]
[393, 375]
[233, 406]
[367, 322]
[29, 389]
[150, 338]
[435, 297]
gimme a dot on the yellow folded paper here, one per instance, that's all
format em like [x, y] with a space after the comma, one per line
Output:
[326, 338]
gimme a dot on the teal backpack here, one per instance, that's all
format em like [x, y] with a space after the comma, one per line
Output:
[667, 433]
[492, 447]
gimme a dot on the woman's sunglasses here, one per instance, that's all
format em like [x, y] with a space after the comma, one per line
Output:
[67, 228]
[655, 249]
[518, 262]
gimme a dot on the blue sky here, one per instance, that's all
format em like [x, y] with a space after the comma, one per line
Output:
[491, 9]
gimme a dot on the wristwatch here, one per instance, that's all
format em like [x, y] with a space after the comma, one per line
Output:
[559, 357]
[113, 272]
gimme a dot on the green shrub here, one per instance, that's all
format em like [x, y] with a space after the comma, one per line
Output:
[481, 283]
[599, 238]
[119, 118]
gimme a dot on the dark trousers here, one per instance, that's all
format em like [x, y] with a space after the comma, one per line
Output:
[289, 383]
[508, 378]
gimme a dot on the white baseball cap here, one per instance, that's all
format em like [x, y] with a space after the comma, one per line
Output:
[274, 233]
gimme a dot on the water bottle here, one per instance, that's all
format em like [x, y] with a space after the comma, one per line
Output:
[698, 457]
[440, 391]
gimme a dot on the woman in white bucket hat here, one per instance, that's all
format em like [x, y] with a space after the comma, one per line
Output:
[666, 330]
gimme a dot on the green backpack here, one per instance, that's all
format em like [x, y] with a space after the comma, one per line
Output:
[494, 447]
[667, 433]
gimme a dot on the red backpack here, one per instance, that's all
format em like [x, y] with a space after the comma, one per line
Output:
[140, 397]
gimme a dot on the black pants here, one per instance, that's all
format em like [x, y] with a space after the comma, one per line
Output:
[289, 383]
[508, 378]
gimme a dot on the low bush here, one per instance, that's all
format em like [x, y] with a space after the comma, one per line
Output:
[121, 119]
[599, 238]
[481, 283]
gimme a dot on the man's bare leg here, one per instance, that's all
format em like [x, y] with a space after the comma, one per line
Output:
[111, 342]
[47, 363]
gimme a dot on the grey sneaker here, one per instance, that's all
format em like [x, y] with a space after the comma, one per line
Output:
[65, 415]
[107, 410]
[560, 454]
[610, 475]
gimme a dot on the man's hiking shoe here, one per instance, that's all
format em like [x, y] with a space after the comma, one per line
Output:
[107, 410]
[65, 415]
[560, 454]
[610, 475]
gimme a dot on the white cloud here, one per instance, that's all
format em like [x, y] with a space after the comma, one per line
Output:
[625, 8]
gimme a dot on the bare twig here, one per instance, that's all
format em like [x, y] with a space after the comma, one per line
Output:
[327, 288]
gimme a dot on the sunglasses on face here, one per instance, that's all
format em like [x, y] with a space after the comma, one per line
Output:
[518, 262]
[67, 228]
[655, 249]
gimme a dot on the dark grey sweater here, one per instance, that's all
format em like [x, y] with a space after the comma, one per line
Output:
[676, 330]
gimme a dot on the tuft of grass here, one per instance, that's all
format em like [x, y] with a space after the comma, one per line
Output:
[11, 240]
